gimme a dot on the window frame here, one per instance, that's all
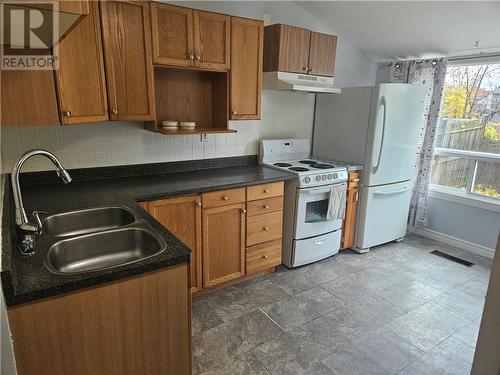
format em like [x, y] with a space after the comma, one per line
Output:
[468, 197]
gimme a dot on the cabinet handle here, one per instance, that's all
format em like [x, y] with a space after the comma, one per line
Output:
[357, 196]
[198, 204]
[309, 70]
[226, 198]
[266, 207]
[114, 111]
[266, 191]
[266, 229]
[67, 113]
[234, 112]
[265, 256]
[356, 180]
[191, 56]
[198, 57]
[243, 211]
[305, 68]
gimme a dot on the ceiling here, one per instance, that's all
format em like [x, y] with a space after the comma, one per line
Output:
[413, 29]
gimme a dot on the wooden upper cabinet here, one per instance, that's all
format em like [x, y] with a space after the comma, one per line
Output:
[172, 32]
[223, 244]
[81, 85]
[129, 67]
[296, 50]
[286, 48]
[182, 217]
[77, 7]
[246, 68]
[322, 54]
[211, 40]
[190, 38]
[28, 97]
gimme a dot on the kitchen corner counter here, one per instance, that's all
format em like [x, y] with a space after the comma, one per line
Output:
[26, 279]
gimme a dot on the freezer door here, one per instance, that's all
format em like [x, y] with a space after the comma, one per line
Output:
[395, 120]
[383, 214]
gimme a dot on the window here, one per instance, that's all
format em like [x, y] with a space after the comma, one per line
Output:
[467, 155]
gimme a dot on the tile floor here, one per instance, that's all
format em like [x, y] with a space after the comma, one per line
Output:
[395, 310]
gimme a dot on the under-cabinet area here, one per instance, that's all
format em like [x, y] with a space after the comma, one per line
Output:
[233, 234]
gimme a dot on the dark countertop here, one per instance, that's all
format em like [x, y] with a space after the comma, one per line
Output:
[26, 279]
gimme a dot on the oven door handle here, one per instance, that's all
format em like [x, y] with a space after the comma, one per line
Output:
[320, 190]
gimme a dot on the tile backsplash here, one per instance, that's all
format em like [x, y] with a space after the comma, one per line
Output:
[119, 143]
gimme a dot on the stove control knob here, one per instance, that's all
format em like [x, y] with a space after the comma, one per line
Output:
[330, 176]
[335, 175]
[318, 178]
[323, 177]
[307, 179]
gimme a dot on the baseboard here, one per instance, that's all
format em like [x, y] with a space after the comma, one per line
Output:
[453, 241]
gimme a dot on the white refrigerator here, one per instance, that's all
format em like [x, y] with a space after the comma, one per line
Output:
[377, 127]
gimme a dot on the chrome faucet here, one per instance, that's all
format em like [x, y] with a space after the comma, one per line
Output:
[28, 231]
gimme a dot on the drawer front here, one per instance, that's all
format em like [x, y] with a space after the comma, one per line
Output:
[264, 228]
[274, 189]
[264, 206]
[354, 178]
[263, 256]
[223, 197]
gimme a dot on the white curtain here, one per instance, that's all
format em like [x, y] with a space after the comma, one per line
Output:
[432, 74]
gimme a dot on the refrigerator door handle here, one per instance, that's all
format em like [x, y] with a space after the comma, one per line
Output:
[382, 103]
[391, 192]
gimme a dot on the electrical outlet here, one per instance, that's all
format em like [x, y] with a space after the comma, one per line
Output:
[203, 138]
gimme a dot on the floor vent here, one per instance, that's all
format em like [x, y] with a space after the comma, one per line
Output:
[452, 258]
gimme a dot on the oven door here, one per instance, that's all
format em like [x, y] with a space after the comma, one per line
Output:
[312, 207]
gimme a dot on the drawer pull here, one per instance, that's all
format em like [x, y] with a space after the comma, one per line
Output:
[198, 204]
[355, 180]
[265, 256]
[225, 197]
[266, 229]
[266, 191]
[267, 207]
[243, 211]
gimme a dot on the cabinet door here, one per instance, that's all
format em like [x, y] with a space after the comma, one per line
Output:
[322, 54]
[182, 217]
[211, 40]
[223, 244]
[28, 97]
[286, 48]
[172, 31]
[349, 224]
[246, 68]
[129, 67]
[81, 86]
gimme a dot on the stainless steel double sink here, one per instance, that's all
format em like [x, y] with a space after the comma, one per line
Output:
[97, 238]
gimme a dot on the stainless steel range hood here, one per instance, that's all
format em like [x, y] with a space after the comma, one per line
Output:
[53, 25]
[284, 81]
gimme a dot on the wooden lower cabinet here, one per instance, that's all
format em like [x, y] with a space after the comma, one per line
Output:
[232, 232]
[223, 244]
[140, 325]
[182, 217]
[263, 256]
[349, 223]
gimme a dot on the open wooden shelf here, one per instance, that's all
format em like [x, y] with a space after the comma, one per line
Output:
[190, 95]
[197, 130]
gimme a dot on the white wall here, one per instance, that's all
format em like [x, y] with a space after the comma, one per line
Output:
[475, 225]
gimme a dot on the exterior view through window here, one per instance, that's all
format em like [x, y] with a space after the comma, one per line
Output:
[467, 156]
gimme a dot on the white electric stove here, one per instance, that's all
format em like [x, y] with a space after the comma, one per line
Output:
[308, 235]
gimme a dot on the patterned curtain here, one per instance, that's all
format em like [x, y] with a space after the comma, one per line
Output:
[432, 74]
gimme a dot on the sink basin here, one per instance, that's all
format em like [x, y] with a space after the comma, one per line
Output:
[102, 250]
[87, 221]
